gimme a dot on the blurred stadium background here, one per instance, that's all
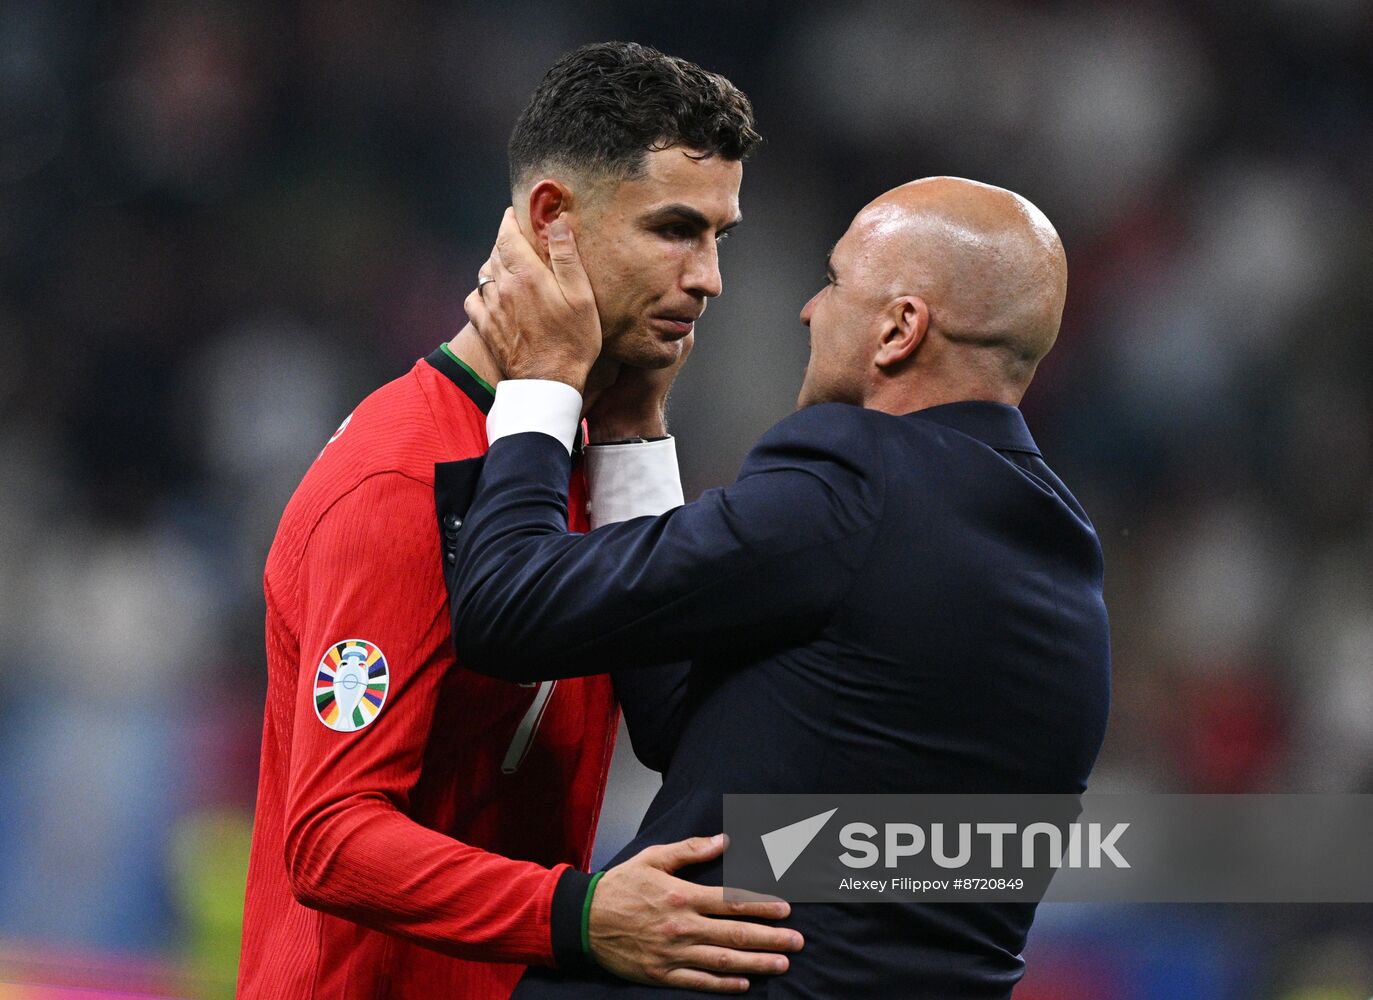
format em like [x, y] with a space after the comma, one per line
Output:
[222, 223]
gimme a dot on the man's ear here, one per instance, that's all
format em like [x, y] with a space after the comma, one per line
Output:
[907, 322]
[548, 200]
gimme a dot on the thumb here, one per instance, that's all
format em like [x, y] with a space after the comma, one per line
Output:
[692, 851]
[567, 263]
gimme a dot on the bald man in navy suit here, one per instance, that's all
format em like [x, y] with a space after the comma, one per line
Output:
[896, 595]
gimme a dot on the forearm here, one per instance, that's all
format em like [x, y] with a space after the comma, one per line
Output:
[758, 564]
[362, 860]
[625, 480]
[511, 618]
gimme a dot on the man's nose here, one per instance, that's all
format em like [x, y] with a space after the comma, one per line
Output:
[703, 274]
[808, 308]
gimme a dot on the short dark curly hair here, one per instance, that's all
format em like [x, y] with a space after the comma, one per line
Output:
[602, 107]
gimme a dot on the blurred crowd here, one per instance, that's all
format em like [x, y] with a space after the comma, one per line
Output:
[222, 223]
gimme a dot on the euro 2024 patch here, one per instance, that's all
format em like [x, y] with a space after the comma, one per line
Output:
[351, 685]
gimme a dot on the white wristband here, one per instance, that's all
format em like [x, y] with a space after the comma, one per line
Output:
[532, 404]
[631, 480]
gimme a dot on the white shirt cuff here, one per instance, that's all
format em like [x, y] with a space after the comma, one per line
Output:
[631, 480]
[533, 404]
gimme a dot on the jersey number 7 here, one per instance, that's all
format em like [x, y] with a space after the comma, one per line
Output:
[528, 728]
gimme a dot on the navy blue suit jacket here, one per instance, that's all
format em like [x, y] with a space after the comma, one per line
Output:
[878, 604]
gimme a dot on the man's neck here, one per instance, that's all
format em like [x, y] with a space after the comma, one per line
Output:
[897, 398]
[469, 347]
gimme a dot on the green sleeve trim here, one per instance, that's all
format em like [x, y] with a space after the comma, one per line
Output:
[586, 914]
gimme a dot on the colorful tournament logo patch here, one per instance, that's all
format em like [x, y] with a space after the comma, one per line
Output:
[350, 685]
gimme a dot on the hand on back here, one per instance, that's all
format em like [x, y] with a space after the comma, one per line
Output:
[649, 926]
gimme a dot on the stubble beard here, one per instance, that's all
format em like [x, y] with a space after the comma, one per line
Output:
[639, 347]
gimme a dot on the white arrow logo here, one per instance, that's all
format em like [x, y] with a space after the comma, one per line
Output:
[785, 844]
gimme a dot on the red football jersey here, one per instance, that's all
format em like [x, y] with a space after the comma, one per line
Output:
[424, 812]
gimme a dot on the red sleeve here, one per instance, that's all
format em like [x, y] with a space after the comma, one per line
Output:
[371, 574]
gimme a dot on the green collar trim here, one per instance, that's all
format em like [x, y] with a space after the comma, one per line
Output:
[468, 368]
[469, 383]
[476, 388]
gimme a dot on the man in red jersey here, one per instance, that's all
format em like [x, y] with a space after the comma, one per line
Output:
[422, 830]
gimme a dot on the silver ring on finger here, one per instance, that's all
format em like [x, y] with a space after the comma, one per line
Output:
[482, 281]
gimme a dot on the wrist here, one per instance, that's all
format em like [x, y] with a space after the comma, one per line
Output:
[547, 406]
[607, 427]
[586, 917]
[566, 918]
[551, 368]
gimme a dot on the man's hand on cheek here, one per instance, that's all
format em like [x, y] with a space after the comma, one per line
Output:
[635, 404]
[538, 321]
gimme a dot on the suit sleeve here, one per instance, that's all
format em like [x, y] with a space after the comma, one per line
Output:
[762, 562]
[351, 849]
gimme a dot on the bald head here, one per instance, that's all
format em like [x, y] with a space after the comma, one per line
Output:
[986, 261]
[977, 271]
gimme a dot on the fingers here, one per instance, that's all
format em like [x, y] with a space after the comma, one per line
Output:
[491, 290]
[495, 267]
[515, 255]
[476, 310]
[695, 979]
[567, 263]
[726, 952]
[650, 926]
[731, 962]
[741, 903]
[737, 935]
[692, 851]
[705, 899]
[534, 326]
[513, 250]
[487, 293]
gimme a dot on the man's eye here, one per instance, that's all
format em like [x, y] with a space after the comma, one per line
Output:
[720, 238]
[678, 232]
